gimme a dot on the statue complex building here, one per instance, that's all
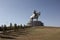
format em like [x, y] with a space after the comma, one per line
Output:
[34, 19]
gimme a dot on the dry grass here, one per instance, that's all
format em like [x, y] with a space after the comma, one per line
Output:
[37, 33]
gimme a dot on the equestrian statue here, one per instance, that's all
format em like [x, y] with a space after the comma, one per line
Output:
[35, 15]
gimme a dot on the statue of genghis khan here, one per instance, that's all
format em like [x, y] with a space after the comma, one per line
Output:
[35, 15]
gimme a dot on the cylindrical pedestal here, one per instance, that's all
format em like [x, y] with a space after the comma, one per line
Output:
[35, 23]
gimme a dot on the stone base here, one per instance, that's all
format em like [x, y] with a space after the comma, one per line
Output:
[35, 23]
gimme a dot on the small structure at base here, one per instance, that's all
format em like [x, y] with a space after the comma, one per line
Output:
[35, 23]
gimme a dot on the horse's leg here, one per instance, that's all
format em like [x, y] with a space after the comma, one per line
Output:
[32, 21]
[36, 19]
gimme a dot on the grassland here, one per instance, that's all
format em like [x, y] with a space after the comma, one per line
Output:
[33, 33]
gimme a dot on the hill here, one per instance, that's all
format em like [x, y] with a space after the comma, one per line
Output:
[36, 33]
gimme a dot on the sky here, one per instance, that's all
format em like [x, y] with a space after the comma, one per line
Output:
[19, 11]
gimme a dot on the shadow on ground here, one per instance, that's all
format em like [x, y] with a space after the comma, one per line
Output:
[7, 37]
[13, 34]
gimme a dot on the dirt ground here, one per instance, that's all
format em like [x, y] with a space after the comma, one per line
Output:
[33, 33]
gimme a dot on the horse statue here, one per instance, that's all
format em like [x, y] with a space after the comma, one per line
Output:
[35, 15]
